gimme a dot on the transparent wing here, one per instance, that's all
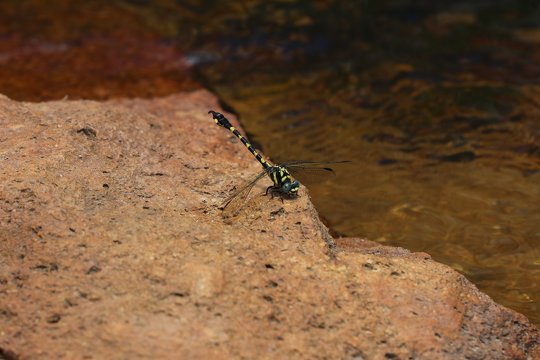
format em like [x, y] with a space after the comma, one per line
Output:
[311, 171]
[234, 203]
[313, 163]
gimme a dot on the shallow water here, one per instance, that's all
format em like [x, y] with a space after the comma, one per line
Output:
[437, 106]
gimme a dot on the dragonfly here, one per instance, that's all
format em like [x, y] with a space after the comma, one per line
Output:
[283, 182]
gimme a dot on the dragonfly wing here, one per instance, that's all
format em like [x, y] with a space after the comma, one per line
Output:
[236, 200]
[313, 163]
[311, 171]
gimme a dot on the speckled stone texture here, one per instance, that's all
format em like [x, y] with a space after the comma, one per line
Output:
[112, 246]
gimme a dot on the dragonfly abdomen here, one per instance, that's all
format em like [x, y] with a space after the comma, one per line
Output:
[223, 121]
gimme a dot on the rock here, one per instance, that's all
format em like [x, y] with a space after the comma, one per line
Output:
[118, 229]
[130, 63]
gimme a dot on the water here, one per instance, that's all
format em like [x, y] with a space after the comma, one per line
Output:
[436, 105]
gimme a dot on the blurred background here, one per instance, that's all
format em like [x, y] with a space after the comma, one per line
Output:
[435, 103]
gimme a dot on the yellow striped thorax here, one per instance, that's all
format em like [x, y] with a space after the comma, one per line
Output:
[283, 180]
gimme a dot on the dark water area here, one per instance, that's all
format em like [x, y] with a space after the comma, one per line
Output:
[436, 104]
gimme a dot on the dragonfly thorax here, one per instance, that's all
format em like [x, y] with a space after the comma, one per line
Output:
[283, 181]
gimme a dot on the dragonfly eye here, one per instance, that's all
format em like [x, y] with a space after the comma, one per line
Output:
[290, 187]
[286, 187]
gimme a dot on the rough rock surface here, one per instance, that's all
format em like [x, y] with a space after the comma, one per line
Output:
[112, 246]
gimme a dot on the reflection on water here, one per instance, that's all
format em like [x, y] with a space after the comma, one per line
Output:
[437, 105]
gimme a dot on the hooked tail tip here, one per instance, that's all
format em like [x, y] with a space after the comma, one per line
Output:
[217, 116]
[220, 119]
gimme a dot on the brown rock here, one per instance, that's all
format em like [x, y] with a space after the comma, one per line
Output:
[112, 246]
[132, 63]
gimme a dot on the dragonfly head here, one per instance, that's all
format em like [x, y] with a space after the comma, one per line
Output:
[290, 188]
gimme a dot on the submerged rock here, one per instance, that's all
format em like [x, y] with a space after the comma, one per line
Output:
[123, 197]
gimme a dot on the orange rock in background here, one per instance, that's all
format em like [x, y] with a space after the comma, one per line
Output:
[96, 67]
